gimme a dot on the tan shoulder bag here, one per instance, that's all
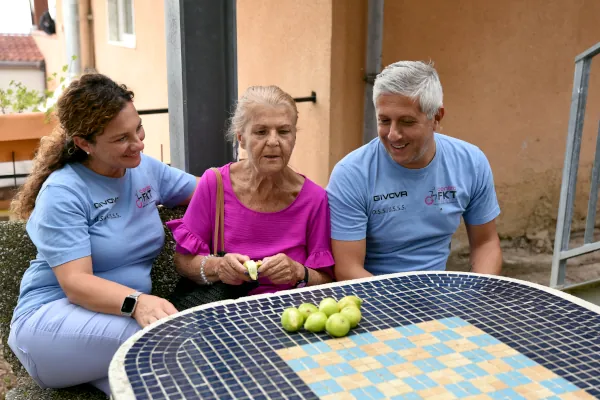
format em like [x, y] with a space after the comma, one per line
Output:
[219, 234]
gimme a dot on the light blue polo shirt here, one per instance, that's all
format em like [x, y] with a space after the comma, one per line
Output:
[408, 216]
[79, 213]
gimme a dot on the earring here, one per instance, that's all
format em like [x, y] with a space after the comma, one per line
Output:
[87, 152]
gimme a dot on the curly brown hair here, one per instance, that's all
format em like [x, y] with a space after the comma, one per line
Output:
[84, 109]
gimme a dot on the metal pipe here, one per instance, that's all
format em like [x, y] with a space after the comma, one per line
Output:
[72, 35]
[372, 66]
[590, 222]
[14, 168]
[202, 81]
[569, 178]
[86, 35]
[312, 98]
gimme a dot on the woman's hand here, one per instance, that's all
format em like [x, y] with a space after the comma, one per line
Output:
[150, 309]
[231, 269]
[280, 269]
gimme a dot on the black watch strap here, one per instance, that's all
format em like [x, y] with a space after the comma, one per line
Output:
[304, 281]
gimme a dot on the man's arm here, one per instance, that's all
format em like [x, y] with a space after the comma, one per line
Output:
[349, 259]
[486, 255]
[349, 220]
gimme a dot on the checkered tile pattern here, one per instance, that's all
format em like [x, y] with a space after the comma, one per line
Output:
[230, 350]
[441, 359]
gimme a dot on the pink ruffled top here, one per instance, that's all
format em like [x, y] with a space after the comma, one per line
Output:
[301, 230]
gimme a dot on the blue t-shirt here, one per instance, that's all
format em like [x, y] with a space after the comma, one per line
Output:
[408, 216]
[79, 213]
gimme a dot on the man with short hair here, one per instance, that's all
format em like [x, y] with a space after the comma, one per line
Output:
[396, 201]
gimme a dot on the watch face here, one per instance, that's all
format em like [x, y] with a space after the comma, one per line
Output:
[128, 305]
[301, 284]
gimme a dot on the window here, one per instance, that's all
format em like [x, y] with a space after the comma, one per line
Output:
[121, 29]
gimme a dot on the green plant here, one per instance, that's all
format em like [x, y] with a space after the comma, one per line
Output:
[17, 98]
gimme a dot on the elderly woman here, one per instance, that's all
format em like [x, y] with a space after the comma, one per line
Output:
[272, 214]
[90, 202]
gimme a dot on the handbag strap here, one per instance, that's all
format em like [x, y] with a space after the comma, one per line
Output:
[219, 234]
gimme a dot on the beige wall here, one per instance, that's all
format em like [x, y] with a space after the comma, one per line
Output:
[143, 68]
[32, 78]
[347, 78]
[506, 67]
[53, 49]
[312, 45]
[507, 72]
[293, 51]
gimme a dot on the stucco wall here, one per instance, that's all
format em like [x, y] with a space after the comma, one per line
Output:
[348, 41]
[291, 50]
[507, 72]
[143, 68]
[32, 78]
[53, 48]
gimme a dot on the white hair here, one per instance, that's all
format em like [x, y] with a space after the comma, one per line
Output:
[414, 79]
[270, 95]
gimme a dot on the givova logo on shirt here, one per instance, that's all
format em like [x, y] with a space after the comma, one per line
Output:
[391, 195]
[144, 196]
[441, 195]
[110, 200]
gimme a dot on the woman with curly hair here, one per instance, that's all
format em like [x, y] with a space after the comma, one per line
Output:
[91, 204]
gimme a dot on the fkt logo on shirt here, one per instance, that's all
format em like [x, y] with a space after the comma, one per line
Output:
[143, 196]
[444, 194]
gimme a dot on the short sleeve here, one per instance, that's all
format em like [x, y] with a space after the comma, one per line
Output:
[319, 237]
[483, 206]
[347, 204]
[174, 185]
[59, 226]
[192, 233]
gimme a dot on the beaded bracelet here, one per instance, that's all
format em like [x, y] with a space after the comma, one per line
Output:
[202, 274]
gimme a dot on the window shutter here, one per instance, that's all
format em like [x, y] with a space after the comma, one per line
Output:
[128, 17]
[113, 20]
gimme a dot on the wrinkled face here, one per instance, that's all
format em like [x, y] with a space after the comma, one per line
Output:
[269, 137]
[119, 146]
[405, 131]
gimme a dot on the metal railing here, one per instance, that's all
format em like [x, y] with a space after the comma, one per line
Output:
[312, 98]
[569, 179]
[14, 175]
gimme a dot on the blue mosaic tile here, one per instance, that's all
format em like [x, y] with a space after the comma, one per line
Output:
[234, 345]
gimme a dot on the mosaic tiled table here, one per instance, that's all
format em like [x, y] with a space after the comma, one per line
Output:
[427, 335]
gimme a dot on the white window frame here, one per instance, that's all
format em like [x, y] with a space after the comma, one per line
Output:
[125, 39]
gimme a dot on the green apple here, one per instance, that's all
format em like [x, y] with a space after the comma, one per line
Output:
[316, 322]
[337, 325]
[252, 267]
[329, 306]
[306, 309]
[352, 314]
[291, 319]
[350, 300]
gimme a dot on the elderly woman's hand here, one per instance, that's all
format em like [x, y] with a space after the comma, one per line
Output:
[280, 269]
[231, 269]
[150, 309]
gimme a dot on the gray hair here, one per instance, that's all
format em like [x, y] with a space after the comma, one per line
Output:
[414, 79]
[254, 95]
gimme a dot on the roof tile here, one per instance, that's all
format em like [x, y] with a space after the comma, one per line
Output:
[19, 48]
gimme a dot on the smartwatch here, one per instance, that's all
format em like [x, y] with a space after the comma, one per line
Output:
[129, 304]
[303, 282]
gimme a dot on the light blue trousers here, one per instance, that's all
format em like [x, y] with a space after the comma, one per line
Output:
[62, 344]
